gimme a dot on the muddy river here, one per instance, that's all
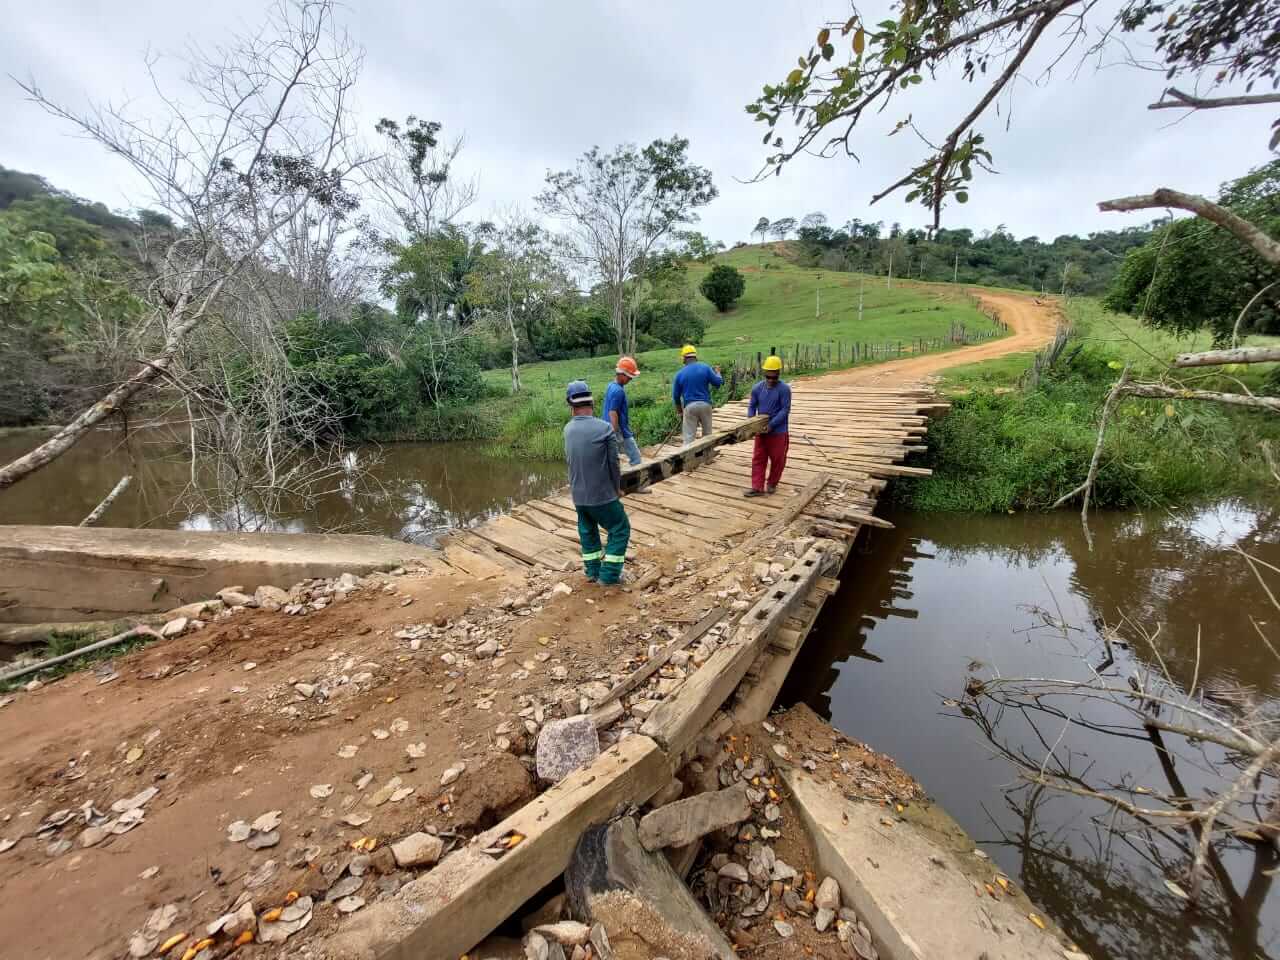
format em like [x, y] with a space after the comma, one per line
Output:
[411, 491]
[943, 598]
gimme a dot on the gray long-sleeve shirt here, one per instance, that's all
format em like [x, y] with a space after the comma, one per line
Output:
[591, 448]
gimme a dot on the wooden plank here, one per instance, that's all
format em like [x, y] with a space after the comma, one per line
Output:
[491, 553]
[473, 564]
[787, 639]
[827, 584]
[654, 663]
[529, 538]
[683, 458]
[469, 894]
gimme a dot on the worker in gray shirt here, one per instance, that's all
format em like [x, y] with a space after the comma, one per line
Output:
[595, 482]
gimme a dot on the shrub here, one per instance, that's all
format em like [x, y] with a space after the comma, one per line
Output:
[669, 323]
[722, 286]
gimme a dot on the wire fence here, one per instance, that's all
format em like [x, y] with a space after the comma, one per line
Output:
[799, 358]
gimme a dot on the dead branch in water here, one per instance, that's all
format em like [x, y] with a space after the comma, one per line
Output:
[1234, 741]
[96, 514]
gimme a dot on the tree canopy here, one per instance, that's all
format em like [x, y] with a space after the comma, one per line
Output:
[855, 69]
[723, 285]
[1192, 275]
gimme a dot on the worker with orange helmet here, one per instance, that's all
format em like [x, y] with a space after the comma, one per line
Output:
[615, 408]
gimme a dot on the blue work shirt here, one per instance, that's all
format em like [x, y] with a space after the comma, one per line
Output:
[693, 384]
[615, 399]
[775, 401]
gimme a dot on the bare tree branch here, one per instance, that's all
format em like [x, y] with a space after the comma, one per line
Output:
[1212, 358]
[1245, 231]
[1179, 100]
[1161, 392]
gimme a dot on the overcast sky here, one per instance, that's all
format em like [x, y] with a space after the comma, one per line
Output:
[534, 84]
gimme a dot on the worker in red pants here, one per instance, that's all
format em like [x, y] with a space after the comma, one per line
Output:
[773, 397]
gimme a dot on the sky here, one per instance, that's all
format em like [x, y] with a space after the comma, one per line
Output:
[533, 85]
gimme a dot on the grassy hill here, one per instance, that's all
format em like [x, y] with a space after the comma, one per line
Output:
[776, 310]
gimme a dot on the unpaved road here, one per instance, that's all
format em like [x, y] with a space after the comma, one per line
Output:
[1033, 326]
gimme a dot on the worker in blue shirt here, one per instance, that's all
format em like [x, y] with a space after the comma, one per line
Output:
[691, 393]
[615, 408]
[773, 397]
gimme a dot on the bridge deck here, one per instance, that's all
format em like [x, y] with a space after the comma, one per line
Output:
[854, 438]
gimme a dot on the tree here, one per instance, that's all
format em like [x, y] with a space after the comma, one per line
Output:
[415, 178]
[619, 207]
[722, 286]
[813, 221]
[697, 246]
[1189, 276]
[514, 277]
[780, 228]
[258, 143]
[762, 228]
[828, 97]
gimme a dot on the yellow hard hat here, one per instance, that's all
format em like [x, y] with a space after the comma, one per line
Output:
[772, 363]
[688, 350]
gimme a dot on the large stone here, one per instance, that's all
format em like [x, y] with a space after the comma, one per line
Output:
[234, 598]
[486, 649]
[417, 850]
[684, 821]
[175, 627]
[828, 896]
[566, 745]
[270, 598]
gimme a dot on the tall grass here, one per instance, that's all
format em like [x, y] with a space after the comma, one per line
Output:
[1001, 449]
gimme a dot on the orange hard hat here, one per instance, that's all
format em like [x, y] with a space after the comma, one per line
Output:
[628, 366]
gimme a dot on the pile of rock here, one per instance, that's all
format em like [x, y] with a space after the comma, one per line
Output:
[744, 883]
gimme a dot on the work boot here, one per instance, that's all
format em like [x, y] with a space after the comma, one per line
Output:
[770, 490]
[753, 492]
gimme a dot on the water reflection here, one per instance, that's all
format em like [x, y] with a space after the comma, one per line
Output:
[940, 598]
[412, 491]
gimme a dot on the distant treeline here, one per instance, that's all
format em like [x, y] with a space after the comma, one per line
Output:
[1081, 265]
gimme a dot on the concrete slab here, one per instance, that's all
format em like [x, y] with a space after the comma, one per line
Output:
[99, 573]
[916, 896]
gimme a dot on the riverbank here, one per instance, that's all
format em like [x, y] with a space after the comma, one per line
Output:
[1003, 447]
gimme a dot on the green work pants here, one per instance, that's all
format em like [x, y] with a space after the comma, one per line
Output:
[604, 564]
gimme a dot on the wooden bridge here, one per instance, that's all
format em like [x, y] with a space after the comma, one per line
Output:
[845, 445]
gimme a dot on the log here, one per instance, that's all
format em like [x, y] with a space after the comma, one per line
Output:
[1159, 391]
[687, 458]
[1210, 358]
[610, 858]
[89, 648]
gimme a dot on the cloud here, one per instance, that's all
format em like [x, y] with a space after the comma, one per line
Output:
[533, 85]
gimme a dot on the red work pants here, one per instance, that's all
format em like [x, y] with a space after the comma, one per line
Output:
[770, 450]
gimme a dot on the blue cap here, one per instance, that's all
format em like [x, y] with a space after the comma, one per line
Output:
[578, 392]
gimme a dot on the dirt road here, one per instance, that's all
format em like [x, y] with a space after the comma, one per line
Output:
[1033, 326]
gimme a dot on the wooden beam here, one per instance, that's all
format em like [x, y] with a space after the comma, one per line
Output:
[688, 458]
[655, 663]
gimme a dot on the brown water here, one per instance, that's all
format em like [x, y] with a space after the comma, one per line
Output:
[944, 597]
[412, 491]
